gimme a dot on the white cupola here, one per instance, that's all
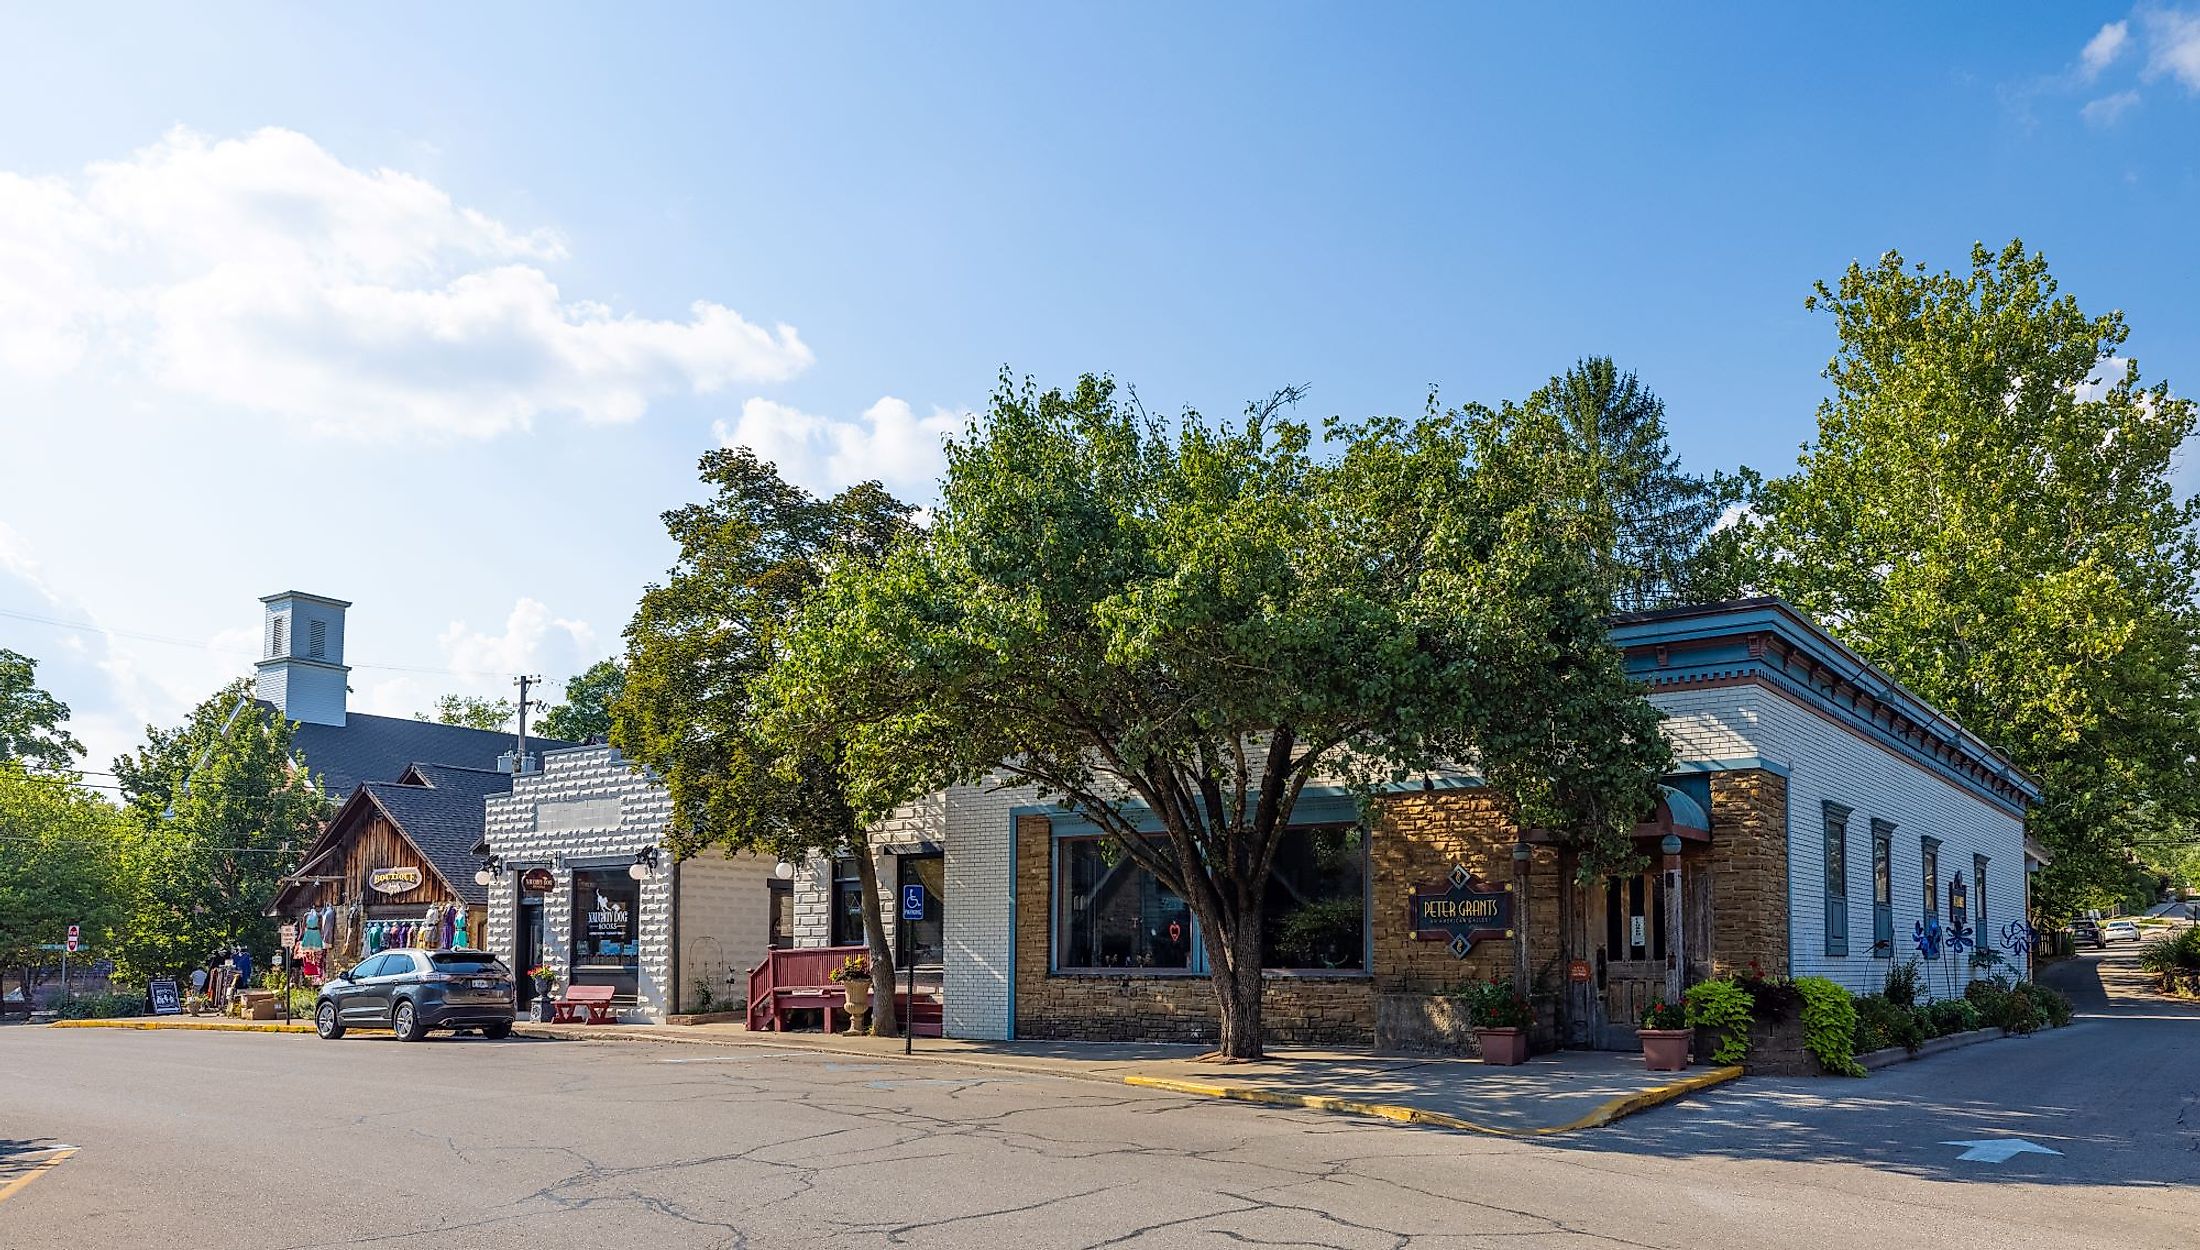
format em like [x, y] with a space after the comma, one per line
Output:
[302, 670]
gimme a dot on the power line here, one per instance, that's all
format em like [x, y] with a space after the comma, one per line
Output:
[165, 640]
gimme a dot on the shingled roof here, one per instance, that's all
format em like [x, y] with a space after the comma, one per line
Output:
[376, 748]
[436, 807]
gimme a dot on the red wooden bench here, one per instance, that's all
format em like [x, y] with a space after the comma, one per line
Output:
[797, 979]
[590, 1001]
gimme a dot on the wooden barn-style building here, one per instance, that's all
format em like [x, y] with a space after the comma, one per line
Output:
[395, 866]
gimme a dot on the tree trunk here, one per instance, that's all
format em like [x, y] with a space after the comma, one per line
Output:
[1233, 961]
[883, 1019]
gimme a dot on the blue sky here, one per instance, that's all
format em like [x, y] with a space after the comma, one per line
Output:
[432, 308]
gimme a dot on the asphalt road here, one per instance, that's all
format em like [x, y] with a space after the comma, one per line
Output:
[265, 1140]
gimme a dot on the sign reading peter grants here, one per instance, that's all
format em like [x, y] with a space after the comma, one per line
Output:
[1461, 912]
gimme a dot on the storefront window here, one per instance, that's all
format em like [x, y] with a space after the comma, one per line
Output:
[1317, 900]
[1114, 914]
[921, 942]
[847, 904]
[606, 930]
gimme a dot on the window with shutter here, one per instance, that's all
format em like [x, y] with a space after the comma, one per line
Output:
[1837, 879]
[317, 639]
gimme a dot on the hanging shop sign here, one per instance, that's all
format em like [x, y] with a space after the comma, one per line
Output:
[394, 880]
[1461, 912]
[538, 881]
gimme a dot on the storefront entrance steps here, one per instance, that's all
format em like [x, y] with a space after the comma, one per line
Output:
[1561, 1092]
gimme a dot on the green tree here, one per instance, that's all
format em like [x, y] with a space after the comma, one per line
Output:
[1188, 627]
[472, 711]
[31, 720]
[697, 647]
[586, 712]
[1592, 442]
[218, 810]
[1986, 513]
[60, 864]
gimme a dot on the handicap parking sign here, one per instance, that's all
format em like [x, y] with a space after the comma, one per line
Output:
[912, 902]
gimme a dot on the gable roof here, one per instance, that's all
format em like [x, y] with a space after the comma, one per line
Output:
[375, 748]
[437, 808]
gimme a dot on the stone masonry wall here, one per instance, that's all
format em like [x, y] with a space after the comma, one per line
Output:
[1417, 841]
[1747, 862]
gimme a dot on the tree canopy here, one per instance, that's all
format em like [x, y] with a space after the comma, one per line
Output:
[700, 642]
[219, 809]
[1986, 513]
[1177, 630]
[586, 712]
[472, 711]
[60, 864]
[31, 720]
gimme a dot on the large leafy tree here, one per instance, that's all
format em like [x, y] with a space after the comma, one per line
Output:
[1592, 444]
[1177, 630]
[60, 864]
[750, 557]
[586, 711]
[219, 809]
[1987, 513]
[32, 722]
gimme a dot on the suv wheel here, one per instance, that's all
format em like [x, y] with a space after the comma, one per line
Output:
[496, 1032]
[326, 1022]
[406, 1023]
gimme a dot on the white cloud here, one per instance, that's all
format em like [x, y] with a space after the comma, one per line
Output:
[534, 640]
[889, 442]
[2103, 48]
[263, 273]
[2173, 45]
[2106, 110]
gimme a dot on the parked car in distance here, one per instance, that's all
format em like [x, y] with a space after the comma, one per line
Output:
[411, 991]
[2119, 931]
[2085, 931]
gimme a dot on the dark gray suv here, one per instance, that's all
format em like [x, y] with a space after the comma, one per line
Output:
[410, 992]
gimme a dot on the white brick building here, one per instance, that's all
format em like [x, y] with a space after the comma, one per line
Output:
[562, 846]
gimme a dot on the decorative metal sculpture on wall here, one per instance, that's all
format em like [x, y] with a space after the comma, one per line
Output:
[2019, 937]
[1926, 936]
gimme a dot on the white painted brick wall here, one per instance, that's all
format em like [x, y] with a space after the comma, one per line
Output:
[1827, 762]
[725, 924]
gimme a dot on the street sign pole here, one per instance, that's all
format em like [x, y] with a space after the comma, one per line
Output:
[912, 909]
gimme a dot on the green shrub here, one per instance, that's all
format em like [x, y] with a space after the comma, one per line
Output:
[1724, 1007]
[2053, 1005]
[1829, 1025]
[1881, 1024]
[2179, 952]
[2001, 1006]
[1905, 981]
[1952, 1015]
[101, 1006]
[1322, 935]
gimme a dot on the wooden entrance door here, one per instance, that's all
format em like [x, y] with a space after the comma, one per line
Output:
[1629, 932]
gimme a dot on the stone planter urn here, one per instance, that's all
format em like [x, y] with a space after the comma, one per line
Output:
[1502, 1047]
[859, 1002]
[1665, 1050]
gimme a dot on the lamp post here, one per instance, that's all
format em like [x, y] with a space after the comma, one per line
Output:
[1676, 962]
[1521, 853]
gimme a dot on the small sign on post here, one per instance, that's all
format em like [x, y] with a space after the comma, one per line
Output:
[912, 902]
[73, 935]
[912, 908]
[290, 937]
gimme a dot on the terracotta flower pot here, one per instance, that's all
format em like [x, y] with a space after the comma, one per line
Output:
[1502, 1047]
[1665, 1050]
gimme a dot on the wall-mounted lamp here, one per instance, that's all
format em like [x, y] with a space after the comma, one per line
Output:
[489, 872]
[784, 871]
[645, 864]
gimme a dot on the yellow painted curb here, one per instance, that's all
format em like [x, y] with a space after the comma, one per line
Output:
[204, 1026]
[1617, 1108]
[43, 1166]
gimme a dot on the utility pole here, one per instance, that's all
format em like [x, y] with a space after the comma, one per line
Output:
[519, 757]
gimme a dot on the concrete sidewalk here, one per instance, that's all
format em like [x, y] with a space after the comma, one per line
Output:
[1556, 1093]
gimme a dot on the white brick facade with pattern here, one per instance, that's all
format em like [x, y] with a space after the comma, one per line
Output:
[1826, 762]
[589, 808]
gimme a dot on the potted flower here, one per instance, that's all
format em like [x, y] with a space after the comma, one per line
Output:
[545, 978]
[1502, 1017]
[854, 977]
[1665, 1036]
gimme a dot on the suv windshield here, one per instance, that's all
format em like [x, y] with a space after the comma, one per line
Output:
[468, 964]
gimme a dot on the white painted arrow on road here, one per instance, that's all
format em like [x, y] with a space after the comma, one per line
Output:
[2000, 1150]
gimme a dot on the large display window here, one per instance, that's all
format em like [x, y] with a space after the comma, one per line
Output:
[607, 947]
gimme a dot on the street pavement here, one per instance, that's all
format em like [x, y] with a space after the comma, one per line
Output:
[275, 1140]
